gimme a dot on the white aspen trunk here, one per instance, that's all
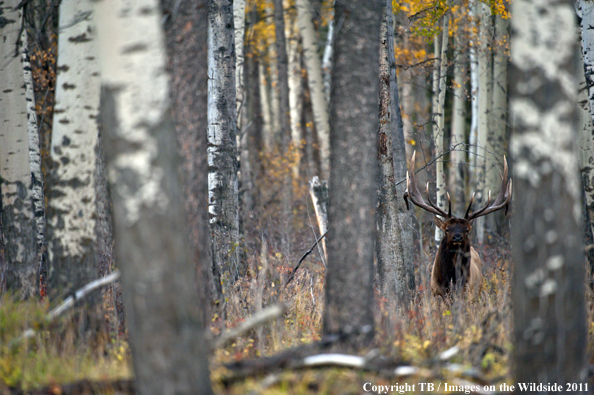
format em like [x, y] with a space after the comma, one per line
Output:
[37, 192]
[439, 122]
[474, 94]
[18, 216]
[585, 10]
[327, 57]
[275, 113]
[72, 209]
[223, 196]
[549, 305]
[265, 105]
[457, 179]
[168, 348]
[315, 82]
[295, 88]
[496, 140]
[485, 71]
[318, 191]
[239, 24]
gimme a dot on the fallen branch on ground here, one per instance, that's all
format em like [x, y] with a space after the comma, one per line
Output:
[69, 302]
[258, 319]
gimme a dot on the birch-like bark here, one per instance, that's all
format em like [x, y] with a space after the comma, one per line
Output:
[168, 348]
[439, 85]
[585, 10]
[20, 230]
[405, 217]
[265, 105]
[457, 167]
[474, 93]
[223, 199]
[353, 188]
[318, 190]
[72, 209]
[496, 140]
[315, 82]
[388, 242]
[485, 76]
[550, 331]
[239, 25]
[295, 88]
[327, 57]
[275, 100]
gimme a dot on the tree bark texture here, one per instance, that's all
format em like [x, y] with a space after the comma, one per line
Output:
[548, 275]
[497, 138]
[388, 243]
[18, 177]
[349, 279]
[223, 198]
[439, 122]
[295, 88]
[315, 82]
[239, 33]
[186, 39]
[405, 216]
[484, 156]
[585, 11]
[168, 348]
[72, 206]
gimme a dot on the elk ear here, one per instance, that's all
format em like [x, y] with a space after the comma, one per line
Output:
[439, 223]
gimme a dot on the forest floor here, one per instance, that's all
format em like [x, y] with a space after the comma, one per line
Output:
[407, 348]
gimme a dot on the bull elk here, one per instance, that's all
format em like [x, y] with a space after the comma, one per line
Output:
[457, 263]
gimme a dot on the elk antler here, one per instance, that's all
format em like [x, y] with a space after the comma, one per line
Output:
[502, 199]
[412, 193]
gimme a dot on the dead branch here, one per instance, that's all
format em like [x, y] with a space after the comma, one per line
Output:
[305, 256]
[69, 301]
[252, 322]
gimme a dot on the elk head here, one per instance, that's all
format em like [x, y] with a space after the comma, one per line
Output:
[456, 261]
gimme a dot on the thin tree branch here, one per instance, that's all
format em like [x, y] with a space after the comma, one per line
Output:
[305, 256]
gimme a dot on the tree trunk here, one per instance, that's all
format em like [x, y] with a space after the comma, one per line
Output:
[474, 95]
[265, 104]
[327, 57]
[439, 121]
[22, 249]
[318, 191]
[586, 14]
[497, 138]
[548, 276]
[168, 349]
[188, 66]
[485, 75]
[223, 196]
[295, 89]
[457, 170]
[388, 242]
[315, 82]
[72, 206]
[405, 216]
[239, 33]
[349, 279]
[285, 121]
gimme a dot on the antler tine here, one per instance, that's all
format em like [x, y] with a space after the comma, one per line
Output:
[412, 193]
[449, 205]
[502, 199]
[442, 213]
[469, 206]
